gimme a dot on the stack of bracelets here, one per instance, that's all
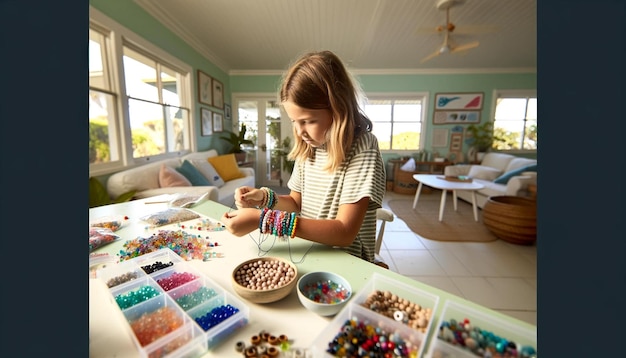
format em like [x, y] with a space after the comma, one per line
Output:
[277, 222]
[269, 198]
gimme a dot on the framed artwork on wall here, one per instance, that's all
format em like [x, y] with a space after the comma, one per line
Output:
[218, 122]
[456, 117]
[206, 122]
[205, 88]
[440, 137]
[218, 94]
[226, 110]
[459, 101]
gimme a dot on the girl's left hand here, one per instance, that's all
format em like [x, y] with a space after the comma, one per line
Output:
[242, 221]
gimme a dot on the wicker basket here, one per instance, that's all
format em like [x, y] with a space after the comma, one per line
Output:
[404, 182]
[512, 218]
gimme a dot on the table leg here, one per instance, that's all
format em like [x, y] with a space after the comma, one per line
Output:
[417, 194]
[454, 198]
[442, 205]
[474, 205]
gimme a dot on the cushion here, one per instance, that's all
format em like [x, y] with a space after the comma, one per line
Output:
[226, 166]
[504, 178]
[169, 177]
[192, 174]
[409, 166]
[483, 172]
[208, 171]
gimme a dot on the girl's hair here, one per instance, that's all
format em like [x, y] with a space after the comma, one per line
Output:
[319, 80]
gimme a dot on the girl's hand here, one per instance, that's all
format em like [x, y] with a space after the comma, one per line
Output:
[242, 221]
[247, 197]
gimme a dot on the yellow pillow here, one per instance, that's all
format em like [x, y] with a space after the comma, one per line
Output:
[226, 166]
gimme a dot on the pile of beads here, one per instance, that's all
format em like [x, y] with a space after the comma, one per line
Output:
[195, 298]
[205, 225]
[185, 245]
[156, 267]
[481, 342]
[170, 216]
[327, 291]
[265, 274]
[113, 223]
[265, 345]
[118, 280]
[176, 279]
[216, 316]
[362, 339]
[131, 298]
[402, 310]
[151, 326]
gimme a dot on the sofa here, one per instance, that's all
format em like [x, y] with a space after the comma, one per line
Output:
[191, 174]
[500, 173]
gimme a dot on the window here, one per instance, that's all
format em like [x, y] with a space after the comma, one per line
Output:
[139, 99]
[515, 122]
[397, 120]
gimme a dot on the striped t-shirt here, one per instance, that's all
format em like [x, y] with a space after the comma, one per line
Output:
[361, 175]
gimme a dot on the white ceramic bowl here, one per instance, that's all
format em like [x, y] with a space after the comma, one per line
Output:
[268, 294]
[321, 301]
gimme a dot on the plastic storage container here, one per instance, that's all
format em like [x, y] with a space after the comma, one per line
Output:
[414, 339]
[179, 293]
[439, 348]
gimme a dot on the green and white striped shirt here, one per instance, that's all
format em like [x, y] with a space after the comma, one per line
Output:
[361, 175]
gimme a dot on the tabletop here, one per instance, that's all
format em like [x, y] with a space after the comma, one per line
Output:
[436, 181]
[108, 336]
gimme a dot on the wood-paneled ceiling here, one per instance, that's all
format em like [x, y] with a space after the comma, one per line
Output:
[379, 36]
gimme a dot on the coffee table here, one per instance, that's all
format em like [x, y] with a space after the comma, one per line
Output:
[434, 180]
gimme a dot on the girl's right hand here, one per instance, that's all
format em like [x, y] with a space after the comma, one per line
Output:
[248, 197]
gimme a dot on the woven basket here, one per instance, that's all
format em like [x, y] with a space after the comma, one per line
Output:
[404, 182]
[512, 218]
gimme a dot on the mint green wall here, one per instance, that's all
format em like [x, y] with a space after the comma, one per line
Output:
[130, 15]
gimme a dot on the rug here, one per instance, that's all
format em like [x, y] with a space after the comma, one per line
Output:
[455, 226]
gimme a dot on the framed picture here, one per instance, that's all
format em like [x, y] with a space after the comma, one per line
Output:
[218, 123]
[456, 117]
[226, 110]
[459, 101]
[440, 137]
[218, 94]
[206, 122]
[205, 88]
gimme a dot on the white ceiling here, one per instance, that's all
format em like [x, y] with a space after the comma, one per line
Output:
[385, 36]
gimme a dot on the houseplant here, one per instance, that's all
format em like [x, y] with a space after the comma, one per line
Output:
[482, 138]
[236, 142]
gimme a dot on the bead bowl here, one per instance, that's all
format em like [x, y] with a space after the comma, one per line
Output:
[248, 283]
[324, 293]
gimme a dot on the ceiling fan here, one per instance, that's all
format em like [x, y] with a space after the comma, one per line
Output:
[448, 45]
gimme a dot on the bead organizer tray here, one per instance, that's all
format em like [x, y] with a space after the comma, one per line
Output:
[162, 287]
[487, 325]
[409, 341]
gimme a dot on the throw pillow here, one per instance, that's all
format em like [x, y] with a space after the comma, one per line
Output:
[409, 166]
[192, 174]
[483, 172]
[169, 177]
[226, 166]
[208, 171]
[504, 178]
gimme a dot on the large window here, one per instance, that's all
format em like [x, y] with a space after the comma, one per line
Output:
[139, 99]
[515, 122]
[397, 120]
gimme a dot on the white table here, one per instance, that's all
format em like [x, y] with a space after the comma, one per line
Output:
[108, 333]
[437, 182]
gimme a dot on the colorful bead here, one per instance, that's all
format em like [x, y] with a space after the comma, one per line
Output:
[328, 292]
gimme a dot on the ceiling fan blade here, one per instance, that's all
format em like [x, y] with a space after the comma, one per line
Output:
[465, 47]
[431, 56]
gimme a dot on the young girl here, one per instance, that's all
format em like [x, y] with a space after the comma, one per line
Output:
[338, 180]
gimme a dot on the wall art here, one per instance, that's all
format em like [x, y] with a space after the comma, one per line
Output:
[459, 101]
[218, 94]
[205, 88]
[206, 122]
[218, 122]
[456, 117]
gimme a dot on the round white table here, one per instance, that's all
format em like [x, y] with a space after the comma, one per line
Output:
[439, 182]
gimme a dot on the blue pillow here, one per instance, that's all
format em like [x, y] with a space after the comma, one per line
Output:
[193, 174]
[504, 178]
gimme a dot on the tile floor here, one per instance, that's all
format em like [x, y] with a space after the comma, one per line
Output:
[497, 274]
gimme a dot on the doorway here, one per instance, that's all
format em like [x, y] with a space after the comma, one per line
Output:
[272, 136]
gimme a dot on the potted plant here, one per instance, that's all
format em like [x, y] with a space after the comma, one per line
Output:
[482, 138]
[237, 141]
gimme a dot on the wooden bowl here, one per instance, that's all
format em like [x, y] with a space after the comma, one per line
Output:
[280, 268]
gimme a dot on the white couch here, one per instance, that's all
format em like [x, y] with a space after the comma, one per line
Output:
[145, 180]
[494, 166]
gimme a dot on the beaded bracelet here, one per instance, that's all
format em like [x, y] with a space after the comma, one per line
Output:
[278, 222]
[270, 199]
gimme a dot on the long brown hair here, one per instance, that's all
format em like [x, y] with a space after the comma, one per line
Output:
[319, 80]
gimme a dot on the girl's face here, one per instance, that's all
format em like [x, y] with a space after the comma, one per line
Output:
[310, 124]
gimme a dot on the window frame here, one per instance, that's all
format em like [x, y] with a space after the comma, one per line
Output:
[513, 93]
[118, 37]
[394, 96]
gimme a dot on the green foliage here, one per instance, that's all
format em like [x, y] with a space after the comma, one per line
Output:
[236, 140]
[98, 195]
[99, 150]
[482, 136]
